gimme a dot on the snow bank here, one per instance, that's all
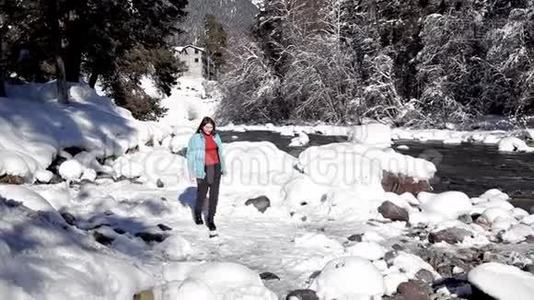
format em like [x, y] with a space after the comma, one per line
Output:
[41, 260]
[217, 281]
[35, 127]
[347, 164]
[349, 278]
[256, 164]
[151, 166]
[513, 144]
[503, 281]
[31, 200]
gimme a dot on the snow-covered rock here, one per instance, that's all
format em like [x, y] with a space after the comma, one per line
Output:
[347, 164]
[301, 140]
[450, 204]
[517, 233]
[371, 134]
[367, 250]
[226, 280]
[257, 164]
[349, 278]
[175, 247]
[410, 264]
[513, 144]
[502, 281]
[71, 170]
[319, 241]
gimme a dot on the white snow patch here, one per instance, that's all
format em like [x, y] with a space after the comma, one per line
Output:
[502, 281]
[349, 278]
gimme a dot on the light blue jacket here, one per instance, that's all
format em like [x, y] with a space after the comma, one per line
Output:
[196, 152]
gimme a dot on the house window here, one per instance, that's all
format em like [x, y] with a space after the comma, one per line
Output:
[196, 60]
[196, 51]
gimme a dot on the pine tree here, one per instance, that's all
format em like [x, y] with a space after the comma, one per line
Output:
[214, 41]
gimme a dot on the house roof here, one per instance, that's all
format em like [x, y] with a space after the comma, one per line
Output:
[182, 49]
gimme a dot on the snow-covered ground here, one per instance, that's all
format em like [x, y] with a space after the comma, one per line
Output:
[119, 221]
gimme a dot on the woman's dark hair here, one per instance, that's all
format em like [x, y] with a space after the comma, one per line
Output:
[205, 121]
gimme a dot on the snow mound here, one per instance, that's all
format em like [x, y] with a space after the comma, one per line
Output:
[347, 164]
[152, 165]
[223, 280]
[449, 205]
[378, 135]
[513, 144]
[257, 164]
[502, 281]
[301, 140]
[349, 277]
[43, 260]
[367, 250]
[31, 200]
[35, 128]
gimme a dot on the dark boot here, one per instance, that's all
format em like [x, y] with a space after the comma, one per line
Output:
[198, 219]
[211, 225]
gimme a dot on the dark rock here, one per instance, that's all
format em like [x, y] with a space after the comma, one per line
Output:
[529, 239]
[11, 179]
[68, 217]
[119, 230]
[397, 247]
[400, 184]
[456, 285]
[445, 270]
[450, 235]
[389, 257]
[269, 276]
[355, 237]
[151, 237]
[304, 218]
[54, 166]
[467, 219]
[391, 211]
[425, 276]
[478, 294]
[414, 290]
[261, 203]
[164, 227]
[304, 294]
[102, 239]
[73, 150]
[529, 268]
[314, 275]
[144, 295]
[159, 183]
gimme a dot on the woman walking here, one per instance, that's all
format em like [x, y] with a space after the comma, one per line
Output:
[206, 164]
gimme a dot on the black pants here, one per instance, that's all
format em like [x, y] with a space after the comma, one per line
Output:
[211, 182]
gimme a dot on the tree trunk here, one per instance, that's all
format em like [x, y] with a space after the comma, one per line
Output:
[2, 64]
[73, 60]
[93, 79]
[52, 19]
[62, 91]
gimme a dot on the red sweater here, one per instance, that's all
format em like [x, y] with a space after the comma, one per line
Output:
[211, 156]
